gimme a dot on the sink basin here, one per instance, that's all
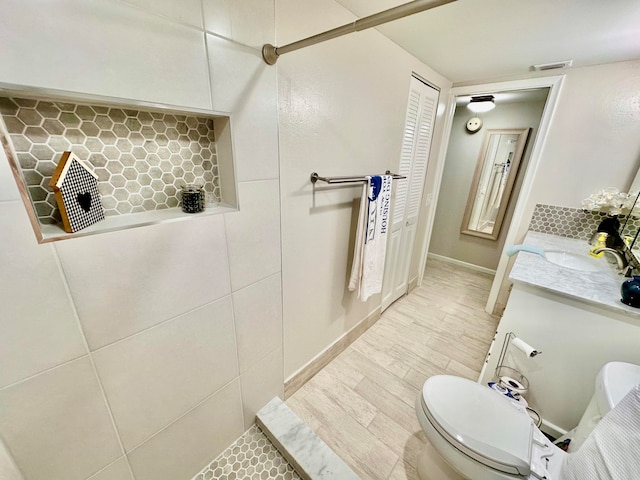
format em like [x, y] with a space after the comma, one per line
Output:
[573, 261]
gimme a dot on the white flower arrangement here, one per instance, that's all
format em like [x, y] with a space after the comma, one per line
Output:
[612, 201]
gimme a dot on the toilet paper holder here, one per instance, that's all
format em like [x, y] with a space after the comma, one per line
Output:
[510, 377]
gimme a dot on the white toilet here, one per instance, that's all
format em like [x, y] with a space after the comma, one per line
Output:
[475, 433]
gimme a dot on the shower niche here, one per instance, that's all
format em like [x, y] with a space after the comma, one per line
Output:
[141, 154]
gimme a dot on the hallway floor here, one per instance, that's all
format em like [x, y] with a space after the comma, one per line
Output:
[362, 403]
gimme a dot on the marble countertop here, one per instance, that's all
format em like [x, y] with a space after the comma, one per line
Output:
[601, 288]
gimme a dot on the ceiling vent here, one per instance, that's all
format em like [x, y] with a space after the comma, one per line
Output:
[541, 67]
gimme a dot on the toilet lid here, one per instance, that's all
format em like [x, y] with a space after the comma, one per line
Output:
[481, 423]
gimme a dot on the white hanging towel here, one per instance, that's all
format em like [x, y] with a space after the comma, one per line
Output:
[371, 237]
[612, 449]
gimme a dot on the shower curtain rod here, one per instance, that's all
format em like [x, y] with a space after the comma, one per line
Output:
[270, 53]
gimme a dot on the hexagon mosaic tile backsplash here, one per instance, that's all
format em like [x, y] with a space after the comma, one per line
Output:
[570, 222]
[142, 158]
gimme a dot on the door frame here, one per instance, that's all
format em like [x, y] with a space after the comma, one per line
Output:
[554, 83]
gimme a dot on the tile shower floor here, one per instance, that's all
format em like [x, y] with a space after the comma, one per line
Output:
[362, 403]
[251, 456]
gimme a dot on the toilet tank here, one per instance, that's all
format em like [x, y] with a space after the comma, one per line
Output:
[613, 382]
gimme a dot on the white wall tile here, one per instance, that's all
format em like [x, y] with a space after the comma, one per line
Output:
[119, 470]
[152, 378]
[39, 329]
[258, 320]
[248, 22]
[253, 233]
[188, 445]
[102, 47]
[127, 281]
[184, 11]
[8, 468]
[261, 383]
[56, 425]
[243, 84]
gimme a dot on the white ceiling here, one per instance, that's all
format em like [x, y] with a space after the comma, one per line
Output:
[472, 40]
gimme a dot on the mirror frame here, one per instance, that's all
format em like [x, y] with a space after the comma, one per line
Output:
[523, 136]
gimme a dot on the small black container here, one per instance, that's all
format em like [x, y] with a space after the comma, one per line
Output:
[630, 291]
[193, 198]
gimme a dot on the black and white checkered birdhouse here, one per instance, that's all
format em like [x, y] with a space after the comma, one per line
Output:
[76, 189]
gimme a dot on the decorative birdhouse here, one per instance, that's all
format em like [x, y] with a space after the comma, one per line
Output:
[76, 190]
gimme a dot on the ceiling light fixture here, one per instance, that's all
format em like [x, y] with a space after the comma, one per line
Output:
[482, 103]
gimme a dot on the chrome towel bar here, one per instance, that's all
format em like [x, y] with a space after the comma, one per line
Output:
[350, 179]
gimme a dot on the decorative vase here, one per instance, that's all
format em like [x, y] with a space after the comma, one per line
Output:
[630, 291]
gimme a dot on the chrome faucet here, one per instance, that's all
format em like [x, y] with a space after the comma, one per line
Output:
[620, 258]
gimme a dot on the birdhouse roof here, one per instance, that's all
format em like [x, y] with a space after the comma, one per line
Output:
[57, 179]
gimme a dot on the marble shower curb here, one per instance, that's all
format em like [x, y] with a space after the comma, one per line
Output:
[309, 455]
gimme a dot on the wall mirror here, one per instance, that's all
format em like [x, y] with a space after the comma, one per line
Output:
[629, 220]
[630, 227]
[493, 181]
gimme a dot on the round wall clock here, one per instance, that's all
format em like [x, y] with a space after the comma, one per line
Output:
[474, 124]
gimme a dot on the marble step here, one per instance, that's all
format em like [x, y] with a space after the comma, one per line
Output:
[309, 455]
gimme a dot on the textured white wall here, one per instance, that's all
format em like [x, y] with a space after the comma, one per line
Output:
[159, 342]
[594, 138]
[342, 109]
[462, 156]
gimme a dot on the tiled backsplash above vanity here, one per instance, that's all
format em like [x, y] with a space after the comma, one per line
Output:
[141, 158]
[569, 222]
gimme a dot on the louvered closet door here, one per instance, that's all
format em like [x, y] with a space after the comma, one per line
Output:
[414, 158]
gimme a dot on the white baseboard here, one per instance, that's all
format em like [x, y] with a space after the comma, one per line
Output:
[461, 263]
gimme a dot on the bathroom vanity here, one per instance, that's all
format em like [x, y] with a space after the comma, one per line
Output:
[574, 317]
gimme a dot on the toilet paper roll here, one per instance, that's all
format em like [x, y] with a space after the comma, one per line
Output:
[513, 384]
[524, 347]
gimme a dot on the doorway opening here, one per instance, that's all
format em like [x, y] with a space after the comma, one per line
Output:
[476, 175]
[519, 217]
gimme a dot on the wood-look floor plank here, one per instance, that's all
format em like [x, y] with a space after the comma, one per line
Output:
[343, 372]
[417, 378]
[381, 358]
[353, 404]
[383, 378]
[297, 404]
[401, 411]
[404, 471]
[427, 351]
[348, 436]
[424, 360]
[461, 370]
[405, 444]
[354, 462]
